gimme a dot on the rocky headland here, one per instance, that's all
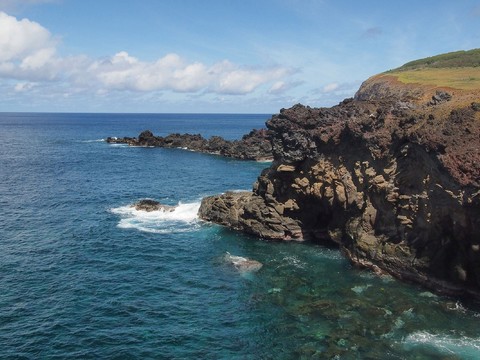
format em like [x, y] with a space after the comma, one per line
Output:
[391, 177]
[252, 146]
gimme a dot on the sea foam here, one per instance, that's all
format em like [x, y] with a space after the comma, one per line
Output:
[183, 218]
[465, 347]
[92, 141]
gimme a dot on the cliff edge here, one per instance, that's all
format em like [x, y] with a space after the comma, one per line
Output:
[391, 176]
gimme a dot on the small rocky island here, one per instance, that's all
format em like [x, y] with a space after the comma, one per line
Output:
[150, 205]
[252, 146]
[391, 177]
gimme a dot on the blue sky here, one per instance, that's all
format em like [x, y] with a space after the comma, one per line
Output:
[249, 56]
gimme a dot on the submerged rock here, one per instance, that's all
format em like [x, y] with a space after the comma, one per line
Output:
[242, 264]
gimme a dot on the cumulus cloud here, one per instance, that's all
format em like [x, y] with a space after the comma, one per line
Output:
[29, 62]
[228, 78]
[27, 49]
[171, 72]
[20, 39]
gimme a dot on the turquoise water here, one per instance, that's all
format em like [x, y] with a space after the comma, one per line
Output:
[84, 276]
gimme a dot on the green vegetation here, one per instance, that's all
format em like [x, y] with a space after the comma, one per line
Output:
[458, 70]
[465, 78]
[455, 59]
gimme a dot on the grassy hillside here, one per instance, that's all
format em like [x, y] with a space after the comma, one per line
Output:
[466, 78]
[455, 59]
[457, 70]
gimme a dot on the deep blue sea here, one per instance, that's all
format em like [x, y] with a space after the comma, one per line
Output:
[84, 276]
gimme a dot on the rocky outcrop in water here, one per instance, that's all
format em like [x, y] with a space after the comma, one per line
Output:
[253, 146]
[242, 264]
[149, 205]
[392, 177]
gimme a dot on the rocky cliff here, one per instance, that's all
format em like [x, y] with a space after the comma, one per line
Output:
[253, 146]
[392, 177]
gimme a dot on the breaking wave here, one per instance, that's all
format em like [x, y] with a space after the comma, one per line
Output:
[92, 141]
[182, 219]
[465, 347]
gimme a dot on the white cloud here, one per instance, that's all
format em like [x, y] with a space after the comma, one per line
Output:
[123, 58]
[28, 54]
[23, 86]
[330, 87]
[125, 72]
[38, 59]
[21, 38]
[280, 87]
[232, 79]
[171, 72]
[27, 49]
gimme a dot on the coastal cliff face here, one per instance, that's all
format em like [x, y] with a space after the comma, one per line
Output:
[392, 177]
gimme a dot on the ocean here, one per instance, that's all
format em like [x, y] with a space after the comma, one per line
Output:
[84, 276]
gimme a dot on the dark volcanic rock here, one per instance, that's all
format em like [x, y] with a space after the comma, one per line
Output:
[440, 97]
[146, 137]
[248, 212]
[394, 183]
[253, 146]
[152, 205]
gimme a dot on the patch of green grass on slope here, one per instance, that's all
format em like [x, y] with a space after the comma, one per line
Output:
[470, 58]
[458, 70]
